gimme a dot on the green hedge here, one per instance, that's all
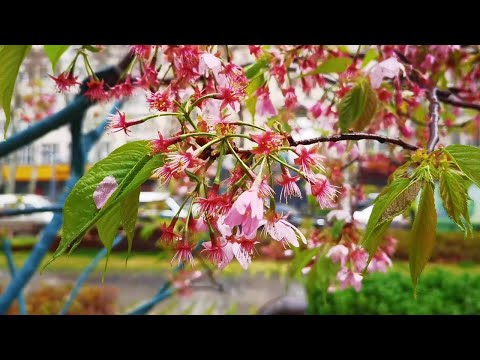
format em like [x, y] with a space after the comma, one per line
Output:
[438, 293]
[450, 246]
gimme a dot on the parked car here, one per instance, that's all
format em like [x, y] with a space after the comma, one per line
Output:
[154, 205]
[362, 216]
[444, 223]
[297, 217]
[29, 223]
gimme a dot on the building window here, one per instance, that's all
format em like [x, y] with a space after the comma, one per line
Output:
[50, 154]
[25, 155]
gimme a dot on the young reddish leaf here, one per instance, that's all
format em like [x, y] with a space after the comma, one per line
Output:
[358, 107]
[370, 108]
[423, 234]
[351, 107]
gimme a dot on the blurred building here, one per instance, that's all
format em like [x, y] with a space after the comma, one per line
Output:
[42, 167]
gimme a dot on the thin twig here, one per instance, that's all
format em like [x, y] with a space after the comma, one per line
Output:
[353, 136]
[462, 104]
[350, 163]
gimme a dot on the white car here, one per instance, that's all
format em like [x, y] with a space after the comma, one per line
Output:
[28, 222]
[362, 215]
[159, 204]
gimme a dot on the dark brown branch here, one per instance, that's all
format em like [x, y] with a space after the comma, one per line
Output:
[433, 124]
[462, 104]
[354, 136]
[443, 95]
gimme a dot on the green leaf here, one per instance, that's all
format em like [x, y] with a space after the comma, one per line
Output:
[301, 259]
[333, 65]
[401, 202]
[91, 48]
[130, 165]
[337, 228]
[252, 70]
[54, 53]
[455, 199]
[321, 275]
[129, 215]
[370, 108]
[107, 229]
[369, 56]
[423, 233]
[255, 83]
[394, 199]
[357, 107]
[467, 159]
[251, 104]
[11, 57]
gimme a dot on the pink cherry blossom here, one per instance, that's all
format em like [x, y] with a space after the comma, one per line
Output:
[390, 245]
[96, 91]
[104, 190]
[183, 160]
[65, 81]
[243, 249]
[316, 110]
[389, 68]
[231, 95]
[289, 185]
[380, 262]
[325, 192]
[217, 252]
[308, 159]
[290, 98]
[359, 258]
[246, 211]
[264, 105]
[142, 51]
[184, 252]
[160, 101]
[348, 278]
[407, 130]
[209, 62]
[281, 230]
[338, 254]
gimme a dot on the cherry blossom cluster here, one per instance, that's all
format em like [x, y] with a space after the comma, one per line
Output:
[345, 250]
[206, 90]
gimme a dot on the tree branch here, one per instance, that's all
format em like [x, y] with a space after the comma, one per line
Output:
[442, 95]
[457, 103]
[353, 136]
[433, 124]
